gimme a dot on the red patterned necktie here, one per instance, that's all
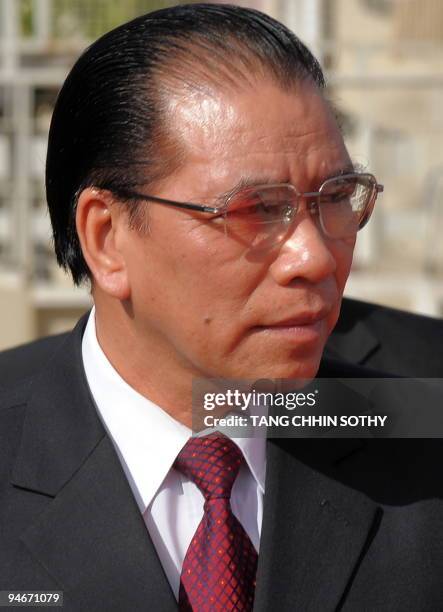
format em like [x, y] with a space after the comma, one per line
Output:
[219, 569]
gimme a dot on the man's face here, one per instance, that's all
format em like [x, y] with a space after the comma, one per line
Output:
[205, 303]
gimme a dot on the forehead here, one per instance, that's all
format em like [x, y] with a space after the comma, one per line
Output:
[283, 135]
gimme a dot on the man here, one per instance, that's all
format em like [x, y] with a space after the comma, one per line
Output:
[197, 177]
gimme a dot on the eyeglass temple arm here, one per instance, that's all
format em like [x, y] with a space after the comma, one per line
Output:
[134, 195]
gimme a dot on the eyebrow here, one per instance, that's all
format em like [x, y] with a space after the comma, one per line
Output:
[250, 180]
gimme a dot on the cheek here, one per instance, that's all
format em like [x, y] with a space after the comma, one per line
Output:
[343, 252]
[193, 273]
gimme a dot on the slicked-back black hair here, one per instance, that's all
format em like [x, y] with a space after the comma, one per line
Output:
[110, 122]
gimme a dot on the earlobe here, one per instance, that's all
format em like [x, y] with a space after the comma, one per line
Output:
[99, 222]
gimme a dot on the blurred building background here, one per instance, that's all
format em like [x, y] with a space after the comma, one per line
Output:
[384, 62]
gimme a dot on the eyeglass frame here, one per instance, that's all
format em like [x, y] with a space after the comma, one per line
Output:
[313, 207]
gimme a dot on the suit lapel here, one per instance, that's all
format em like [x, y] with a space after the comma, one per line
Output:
[91, 537]
[314, 528]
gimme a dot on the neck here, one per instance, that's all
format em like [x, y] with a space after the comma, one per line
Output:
[145, 363]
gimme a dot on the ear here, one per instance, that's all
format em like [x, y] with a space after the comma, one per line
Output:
[101, 226]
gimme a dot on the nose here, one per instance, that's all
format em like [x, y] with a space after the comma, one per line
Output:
[305, 254]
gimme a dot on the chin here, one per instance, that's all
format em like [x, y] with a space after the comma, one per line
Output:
[305, 369]
[271, 361]
[302, 366]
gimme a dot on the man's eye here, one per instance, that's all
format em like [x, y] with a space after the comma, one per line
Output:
[248, 208]
[257, 208]
[337, 197]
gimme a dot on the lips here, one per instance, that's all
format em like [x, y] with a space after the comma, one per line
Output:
[301, 319]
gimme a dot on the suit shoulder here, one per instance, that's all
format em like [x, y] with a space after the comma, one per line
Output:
[25, 361]
[389, 339]
[357, 309]
[35, 347]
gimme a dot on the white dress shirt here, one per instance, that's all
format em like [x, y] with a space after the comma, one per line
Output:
[147, 441]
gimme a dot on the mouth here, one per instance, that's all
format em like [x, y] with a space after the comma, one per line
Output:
[301, 319]
[306, 327]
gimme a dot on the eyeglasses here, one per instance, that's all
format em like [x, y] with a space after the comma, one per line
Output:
[263, 215]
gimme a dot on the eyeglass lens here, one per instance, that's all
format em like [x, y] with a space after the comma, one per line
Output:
[256, 215]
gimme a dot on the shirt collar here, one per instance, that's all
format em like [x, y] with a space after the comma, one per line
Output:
[147, 439]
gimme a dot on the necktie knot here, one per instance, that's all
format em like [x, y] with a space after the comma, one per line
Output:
[212, 462]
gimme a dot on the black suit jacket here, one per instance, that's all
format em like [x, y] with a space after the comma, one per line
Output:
[388, 340]
[348, 524]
